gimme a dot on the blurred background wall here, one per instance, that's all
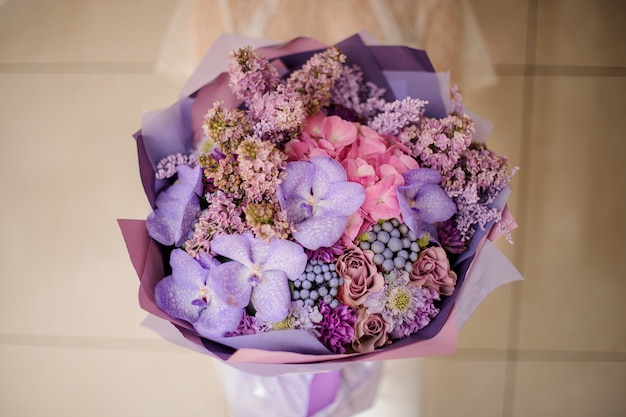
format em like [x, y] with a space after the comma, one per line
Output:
[75, 76]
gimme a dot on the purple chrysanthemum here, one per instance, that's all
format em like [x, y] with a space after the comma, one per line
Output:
[337, 326]
[450, 237]
[248, 325]
[326, 254]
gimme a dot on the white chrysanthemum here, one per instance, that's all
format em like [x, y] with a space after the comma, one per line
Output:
[299, 317]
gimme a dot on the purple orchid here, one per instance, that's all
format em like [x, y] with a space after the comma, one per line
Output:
[259, 272]
[188, 294]
[318, 199]
[423, 202]
[176, 206]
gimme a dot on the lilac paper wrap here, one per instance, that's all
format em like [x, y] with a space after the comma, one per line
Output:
[402, 71]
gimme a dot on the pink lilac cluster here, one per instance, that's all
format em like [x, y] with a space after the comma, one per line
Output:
[314, 81]
[223, 130]
[317, 206]
[251, 75]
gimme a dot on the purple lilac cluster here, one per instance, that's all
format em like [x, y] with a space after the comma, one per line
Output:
[472, 175]
[167, 167]
[290, 215]
[397, 115]
[352, 92]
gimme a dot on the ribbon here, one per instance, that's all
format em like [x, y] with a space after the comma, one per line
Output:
[323, 391]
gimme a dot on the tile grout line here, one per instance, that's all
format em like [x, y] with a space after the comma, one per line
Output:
[113, 67]
[551, 70]
[141, 67]
[108, 343]
[512, 356]
[86, 342]
[159, 345]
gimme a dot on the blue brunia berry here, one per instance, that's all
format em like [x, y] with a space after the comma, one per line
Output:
[393, 244]
[318, 282]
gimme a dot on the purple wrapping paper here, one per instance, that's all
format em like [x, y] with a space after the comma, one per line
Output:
[403, 71]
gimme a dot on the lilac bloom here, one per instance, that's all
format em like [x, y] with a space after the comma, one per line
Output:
[176, 206]
[318, 199]
[188, 294]
[259, 272]
[423, 202]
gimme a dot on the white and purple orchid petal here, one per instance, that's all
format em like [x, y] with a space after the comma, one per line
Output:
[326, 172]
[207, 261]
[186, 270]
[333, 169]
[177, 206]
[178, 293]
[260, 250]
[320, 206]
[421, 176]
[298, 181]
[432, 204]
[344, 200]
[320, 231]
[176, 300]
[297, 209]
[423, 202]
[217, 319]
[230, 282]
[322, 183]
[271, 298]
[235, 247]
[286, 256]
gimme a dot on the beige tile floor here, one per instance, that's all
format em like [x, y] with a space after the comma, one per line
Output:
[74, 78]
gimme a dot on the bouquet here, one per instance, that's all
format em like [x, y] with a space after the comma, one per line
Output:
[315, 206]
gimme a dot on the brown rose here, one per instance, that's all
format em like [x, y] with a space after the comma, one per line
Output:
[432, 270]
[370, 332]
[359, 274]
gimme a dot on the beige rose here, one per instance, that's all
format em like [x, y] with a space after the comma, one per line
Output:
[432, 270]
[359, 274]
[370, 332]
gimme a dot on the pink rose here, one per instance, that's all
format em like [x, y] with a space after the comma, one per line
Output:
[432, 270]
[359, 274]
[370, 332]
